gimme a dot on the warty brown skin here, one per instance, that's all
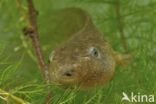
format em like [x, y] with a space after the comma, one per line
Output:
[85, 60]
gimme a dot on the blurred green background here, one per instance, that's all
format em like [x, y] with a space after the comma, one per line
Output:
[19, 72]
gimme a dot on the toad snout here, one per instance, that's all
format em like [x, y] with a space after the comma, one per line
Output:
[66, 73]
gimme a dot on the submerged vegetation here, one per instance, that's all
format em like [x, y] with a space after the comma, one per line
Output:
[19, 74]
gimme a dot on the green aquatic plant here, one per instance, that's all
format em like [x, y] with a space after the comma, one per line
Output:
[19, 74]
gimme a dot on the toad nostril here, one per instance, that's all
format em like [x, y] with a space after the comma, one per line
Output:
[69, 73]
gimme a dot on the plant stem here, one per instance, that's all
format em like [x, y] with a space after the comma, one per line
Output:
[120, 26]
[32, 32]
[11, 98]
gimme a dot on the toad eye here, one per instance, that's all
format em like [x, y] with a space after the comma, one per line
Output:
[94, 52]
